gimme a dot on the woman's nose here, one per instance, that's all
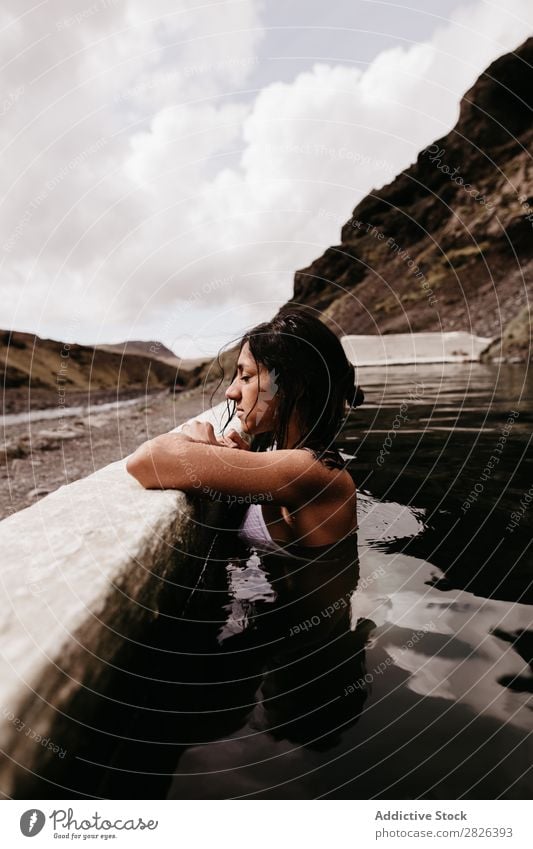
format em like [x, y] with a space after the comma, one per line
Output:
[232, 392]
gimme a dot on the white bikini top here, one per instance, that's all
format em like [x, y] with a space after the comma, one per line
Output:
[253, 531]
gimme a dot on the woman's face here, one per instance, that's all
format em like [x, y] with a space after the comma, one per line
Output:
[250, 387]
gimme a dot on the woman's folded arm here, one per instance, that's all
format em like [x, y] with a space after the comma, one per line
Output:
[172, 461]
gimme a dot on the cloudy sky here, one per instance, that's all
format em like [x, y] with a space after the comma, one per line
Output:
[167, 166]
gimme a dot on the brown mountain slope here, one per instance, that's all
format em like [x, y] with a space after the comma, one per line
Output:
[448, 245]
[51, 369]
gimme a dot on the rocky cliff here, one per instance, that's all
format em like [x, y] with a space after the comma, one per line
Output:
[448, 245]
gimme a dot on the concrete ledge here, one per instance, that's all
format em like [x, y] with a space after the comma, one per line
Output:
[402, 348]
[83, 573]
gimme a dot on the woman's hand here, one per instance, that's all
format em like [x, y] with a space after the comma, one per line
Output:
[198, 431]
[234, 440]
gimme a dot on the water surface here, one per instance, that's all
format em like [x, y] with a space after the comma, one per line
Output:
[418, 683]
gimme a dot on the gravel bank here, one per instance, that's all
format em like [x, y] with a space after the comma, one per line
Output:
[44, 455]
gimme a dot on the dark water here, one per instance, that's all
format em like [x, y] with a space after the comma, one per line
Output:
[400, 669]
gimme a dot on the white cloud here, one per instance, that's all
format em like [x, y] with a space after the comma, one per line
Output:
[138, 168]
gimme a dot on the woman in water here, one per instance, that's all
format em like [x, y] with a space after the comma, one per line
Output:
[271, 648]
[290, 389]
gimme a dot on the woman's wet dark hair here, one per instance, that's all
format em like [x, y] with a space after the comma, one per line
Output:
[311, 372]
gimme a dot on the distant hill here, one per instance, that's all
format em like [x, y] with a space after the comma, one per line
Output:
[154, 350]
[448, 245]
[189, 367]
[46, 366]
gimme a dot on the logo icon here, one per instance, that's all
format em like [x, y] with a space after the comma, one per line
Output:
[31, 822]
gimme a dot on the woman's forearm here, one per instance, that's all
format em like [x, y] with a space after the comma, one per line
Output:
[140, 464]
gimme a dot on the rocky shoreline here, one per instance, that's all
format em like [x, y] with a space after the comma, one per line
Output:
[39, 457]
[21, 399]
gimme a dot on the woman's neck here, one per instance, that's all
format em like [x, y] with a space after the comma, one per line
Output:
[294, 433]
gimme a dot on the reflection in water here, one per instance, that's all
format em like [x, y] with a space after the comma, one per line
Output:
[289, 648]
